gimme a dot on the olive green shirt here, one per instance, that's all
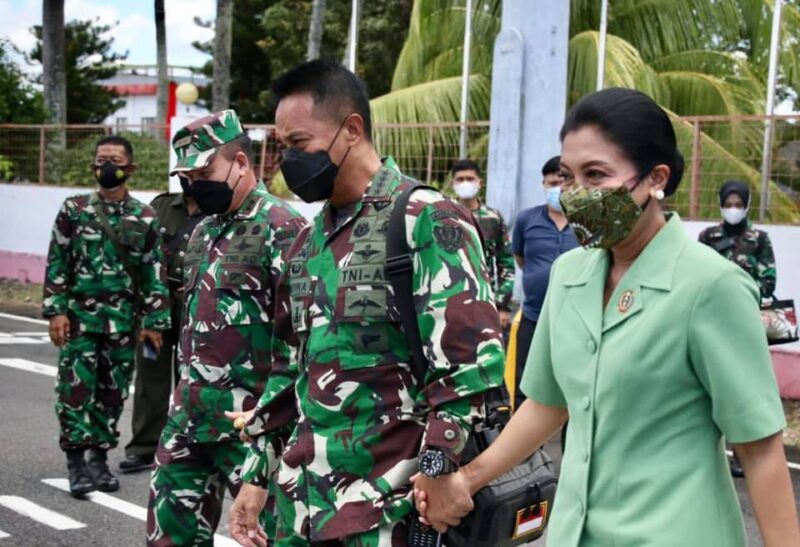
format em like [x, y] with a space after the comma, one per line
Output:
[676, 361]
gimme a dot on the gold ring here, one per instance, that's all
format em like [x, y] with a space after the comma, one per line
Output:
[239, 422]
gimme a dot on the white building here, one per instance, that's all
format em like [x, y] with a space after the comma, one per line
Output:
[138, 86]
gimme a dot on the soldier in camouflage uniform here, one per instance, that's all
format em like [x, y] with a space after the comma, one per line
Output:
[103, 273]
[342, 416]
[178, 214]
[467, 183]
[737, 240]
[231, 269]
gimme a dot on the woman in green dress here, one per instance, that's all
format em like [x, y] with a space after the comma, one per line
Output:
[640, 342]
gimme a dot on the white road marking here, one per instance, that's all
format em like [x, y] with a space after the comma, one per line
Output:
[29, 366]
[24, 319]
[4, 535]
[125, 507]
[40, 514]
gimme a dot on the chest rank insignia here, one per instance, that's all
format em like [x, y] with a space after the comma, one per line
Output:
[361, 230]
[625, 301]
[367, 252]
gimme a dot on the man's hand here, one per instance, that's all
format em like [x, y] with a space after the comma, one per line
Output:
[505, 318]
[444, 501]
[243, 516]
[239, 420]
[59, 330]
[153, 336]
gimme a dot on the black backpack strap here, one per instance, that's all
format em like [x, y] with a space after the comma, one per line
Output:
[400, 272]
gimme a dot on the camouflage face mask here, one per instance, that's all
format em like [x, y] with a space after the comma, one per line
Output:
[600, 217]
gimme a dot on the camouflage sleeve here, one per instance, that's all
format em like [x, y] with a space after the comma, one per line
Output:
[767, 275]
[153, 278]
[505, 268]
[275, 414]
[56, 280]
[458, 321]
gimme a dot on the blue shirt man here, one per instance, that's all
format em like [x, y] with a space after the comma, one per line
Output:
[539, 236]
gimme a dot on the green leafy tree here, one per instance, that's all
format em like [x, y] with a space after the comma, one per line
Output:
[694, 57]
[19, 101]
[266, 43]
[89, 59]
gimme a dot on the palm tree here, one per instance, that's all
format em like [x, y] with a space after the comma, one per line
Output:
[694, 57]
[315, 29]
[54, 78]
[161, 59]
[223, 37]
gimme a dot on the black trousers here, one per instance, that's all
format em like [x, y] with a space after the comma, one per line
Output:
[154, 384]
[524, 339]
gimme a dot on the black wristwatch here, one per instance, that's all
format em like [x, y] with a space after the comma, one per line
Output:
[433, 463]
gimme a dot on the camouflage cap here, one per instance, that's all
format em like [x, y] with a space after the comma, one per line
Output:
[196, 143]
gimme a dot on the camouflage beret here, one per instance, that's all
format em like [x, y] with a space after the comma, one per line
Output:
[196, 143]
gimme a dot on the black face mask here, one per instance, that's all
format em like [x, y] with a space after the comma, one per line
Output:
[109, 175]
[310, 175]
[212, 196]
[186, 187]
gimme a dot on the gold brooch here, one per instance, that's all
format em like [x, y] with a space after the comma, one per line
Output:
[239, 423]
[625, 301]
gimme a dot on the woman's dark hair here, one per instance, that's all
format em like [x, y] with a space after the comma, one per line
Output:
[634, 122]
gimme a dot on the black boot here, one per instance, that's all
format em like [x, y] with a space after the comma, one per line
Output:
[80, 480]
[98, 466]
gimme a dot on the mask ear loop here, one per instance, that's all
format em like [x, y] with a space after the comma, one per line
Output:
[336, 136]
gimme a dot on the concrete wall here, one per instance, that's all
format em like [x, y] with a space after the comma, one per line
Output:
[27, 213]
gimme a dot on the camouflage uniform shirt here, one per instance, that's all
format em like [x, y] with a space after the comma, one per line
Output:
[231, 267]
[86, 279]
[499, 259]
[341, 388]
[750, 248]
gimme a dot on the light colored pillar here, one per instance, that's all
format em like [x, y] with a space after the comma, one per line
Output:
[529, 97]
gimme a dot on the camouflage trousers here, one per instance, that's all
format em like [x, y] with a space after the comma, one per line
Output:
[394, 534]
[187, 489]
[293, 513]
[94, 373]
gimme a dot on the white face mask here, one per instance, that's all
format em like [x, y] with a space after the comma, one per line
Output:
[467, 190]
[733, 215]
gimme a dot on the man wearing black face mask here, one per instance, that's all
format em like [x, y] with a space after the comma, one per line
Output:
[231, 267]
[178, 215]
[104, 281]
[351, 419]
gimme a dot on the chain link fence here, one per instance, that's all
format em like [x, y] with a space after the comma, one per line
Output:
[715, 148]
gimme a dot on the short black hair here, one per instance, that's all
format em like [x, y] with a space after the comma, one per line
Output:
[553, 165]
[634, 122]
[118, 141]
[332, 86]
[465, 164]
[242, 143]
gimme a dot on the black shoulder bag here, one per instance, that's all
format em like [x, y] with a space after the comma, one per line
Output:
[514, 508]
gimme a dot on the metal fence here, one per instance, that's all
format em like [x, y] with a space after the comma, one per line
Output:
[715, 149]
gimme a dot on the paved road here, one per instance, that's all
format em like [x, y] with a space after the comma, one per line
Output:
[33, 508]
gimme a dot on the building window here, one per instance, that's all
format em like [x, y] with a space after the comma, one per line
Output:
[149, 126]
[121, 124]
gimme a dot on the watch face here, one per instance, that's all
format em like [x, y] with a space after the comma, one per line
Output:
[431, 463]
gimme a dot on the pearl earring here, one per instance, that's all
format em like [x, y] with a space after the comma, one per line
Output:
[660, 195]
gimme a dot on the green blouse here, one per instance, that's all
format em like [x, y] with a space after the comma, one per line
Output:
[676, 361]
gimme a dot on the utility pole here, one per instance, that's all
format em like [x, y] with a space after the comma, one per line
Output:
[766, 156]
[465, 72]
[601, 46]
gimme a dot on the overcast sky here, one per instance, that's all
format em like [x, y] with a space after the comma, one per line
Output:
[135, 32]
